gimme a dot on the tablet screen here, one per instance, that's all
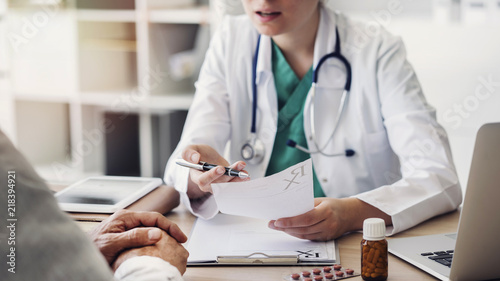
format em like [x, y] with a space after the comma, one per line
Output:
[101, 191]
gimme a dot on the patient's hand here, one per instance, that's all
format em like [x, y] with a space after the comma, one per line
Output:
[126, 229]
[167, 248]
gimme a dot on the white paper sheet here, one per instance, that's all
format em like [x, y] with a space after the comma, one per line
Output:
[227, 235]
[285, 194]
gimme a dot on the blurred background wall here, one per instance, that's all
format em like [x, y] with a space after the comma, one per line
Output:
[102, 87]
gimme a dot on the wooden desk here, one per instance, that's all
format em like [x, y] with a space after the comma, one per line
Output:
[348, 246]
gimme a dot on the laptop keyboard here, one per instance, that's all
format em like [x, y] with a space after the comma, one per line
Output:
[442, 257]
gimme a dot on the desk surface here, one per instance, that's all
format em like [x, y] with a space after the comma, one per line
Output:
[348, 246]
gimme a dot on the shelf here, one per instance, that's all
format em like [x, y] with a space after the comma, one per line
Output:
[110, 45]
[195, 15]
[119, 98]
[108, 5]
[63, 98]
[106, 15]
[103, 70]
[126, 100]
[180, 101]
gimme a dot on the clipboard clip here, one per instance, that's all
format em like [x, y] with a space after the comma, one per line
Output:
[259, 258]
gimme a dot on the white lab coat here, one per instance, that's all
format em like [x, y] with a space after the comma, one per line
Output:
[403, 163]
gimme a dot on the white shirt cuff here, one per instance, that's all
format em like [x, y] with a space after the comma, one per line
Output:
[147, 268]
[204, 207]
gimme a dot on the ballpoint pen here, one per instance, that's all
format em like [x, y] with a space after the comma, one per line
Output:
[204, 166]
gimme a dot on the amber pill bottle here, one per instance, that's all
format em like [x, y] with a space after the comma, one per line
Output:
[374, 265]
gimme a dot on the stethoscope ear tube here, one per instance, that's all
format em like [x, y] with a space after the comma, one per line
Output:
[337, 54]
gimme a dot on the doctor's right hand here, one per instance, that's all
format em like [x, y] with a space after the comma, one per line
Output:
[200, 181]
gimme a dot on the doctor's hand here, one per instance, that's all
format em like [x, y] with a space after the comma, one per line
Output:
[127, 229]
[200, 181]
[330, 218]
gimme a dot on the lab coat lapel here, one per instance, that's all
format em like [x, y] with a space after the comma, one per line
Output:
[324, 44]
[267, 109]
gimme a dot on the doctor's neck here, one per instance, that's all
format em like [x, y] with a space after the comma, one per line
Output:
[301, 39]
[298, 46]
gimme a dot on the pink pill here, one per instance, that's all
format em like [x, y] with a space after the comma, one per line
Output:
[337, 266]
[316, 271]
[328, 276]
[349, 271]
[295, 276]
[308, 279]
[327, 269]
[339, 273]
[318, 278]
[306, 273]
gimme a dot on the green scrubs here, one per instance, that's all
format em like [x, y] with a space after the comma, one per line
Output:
[292, 93]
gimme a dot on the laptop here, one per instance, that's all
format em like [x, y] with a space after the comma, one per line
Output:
[473, 253]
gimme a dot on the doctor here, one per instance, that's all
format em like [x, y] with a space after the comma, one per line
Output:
[376, 147]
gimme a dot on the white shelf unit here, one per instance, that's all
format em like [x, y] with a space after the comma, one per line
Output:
[96, 79]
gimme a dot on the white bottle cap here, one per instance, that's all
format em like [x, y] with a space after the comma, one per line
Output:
[374, 229]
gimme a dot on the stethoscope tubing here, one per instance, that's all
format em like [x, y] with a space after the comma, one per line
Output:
[253, 129]
[344, 98]
[338, 55]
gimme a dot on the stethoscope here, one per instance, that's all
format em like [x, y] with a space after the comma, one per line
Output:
[253, 150]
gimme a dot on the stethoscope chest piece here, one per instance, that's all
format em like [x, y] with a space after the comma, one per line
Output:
[253, 151]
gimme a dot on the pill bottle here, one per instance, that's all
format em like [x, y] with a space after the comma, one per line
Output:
[374, 265]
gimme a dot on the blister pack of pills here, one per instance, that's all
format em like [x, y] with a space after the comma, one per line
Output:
[327, 273]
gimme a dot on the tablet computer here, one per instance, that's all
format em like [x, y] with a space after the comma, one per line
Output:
[106, 194]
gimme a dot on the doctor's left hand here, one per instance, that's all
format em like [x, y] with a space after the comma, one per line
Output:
[330, 218]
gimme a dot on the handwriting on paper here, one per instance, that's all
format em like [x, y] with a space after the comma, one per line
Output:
[285, 194]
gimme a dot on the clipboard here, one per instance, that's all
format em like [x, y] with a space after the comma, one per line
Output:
[258, 258]
[235, 240]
